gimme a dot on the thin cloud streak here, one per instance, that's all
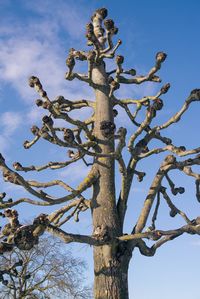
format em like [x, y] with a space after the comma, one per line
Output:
[39, 50]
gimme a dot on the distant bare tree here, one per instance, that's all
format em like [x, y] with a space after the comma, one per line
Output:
[44, 272]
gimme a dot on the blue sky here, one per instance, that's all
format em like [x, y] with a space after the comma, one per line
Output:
[35, 38]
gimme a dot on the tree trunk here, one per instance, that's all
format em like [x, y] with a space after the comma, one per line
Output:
[111, 274]
[110, 270]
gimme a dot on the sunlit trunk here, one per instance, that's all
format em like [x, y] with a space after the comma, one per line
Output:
[110, 271]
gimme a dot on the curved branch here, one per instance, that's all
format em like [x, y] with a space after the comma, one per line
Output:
[179, 151]
[155, 186]
[160, 58]
[51, 165]
[15, 178]
[161, 236]
[174, 209]
[57, 215]
[142, 127]
[69, 238]
[194, 97]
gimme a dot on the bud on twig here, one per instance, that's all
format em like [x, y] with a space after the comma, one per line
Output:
[182, 148]
[173, 213]
[114, 30]
[165, 88]
[158, 104]
[26, 144]
[35, 130]
[181, 190]
[68, 135]
[109, 24]
[2, 195]
[39, 102]
[119, 59]
[70, 61]
[17, 166]
[33, 80]
[46, 105]
[196, 93]
[102, 12]
[47, 120]
[140, 176]
[131, 72]
[161, 56]
[115, 112]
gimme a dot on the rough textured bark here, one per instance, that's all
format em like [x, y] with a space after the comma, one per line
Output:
[109, 272]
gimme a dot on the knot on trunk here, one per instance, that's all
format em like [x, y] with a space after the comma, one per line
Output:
[42, 219]
[28, 235]
[101, 233]
[24, 239]
[123, 250]
[107, 128]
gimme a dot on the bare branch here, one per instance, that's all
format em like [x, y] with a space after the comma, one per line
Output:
[57, 215]
[144, 124]
[35, 83]
[51, 165]
[197, 183]
[155, 212]
[15, 178]
[160, 57]
[194, 96]
[168, 164]
[111, 54]
[173, 208]
[145, 100]
[121, 134]
[192, 228]
[155, 186]
[68, 238]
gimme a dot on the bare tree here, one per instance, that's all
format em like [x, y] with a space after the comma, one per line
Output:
[45, 271]
[96, 138]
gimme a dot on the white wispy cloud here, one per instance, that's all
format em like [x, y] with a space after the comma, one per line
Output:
[39, 50]
[63, 15]
[10, 121]
[34, 115]
[19, 59]
[4, 145]
[75, 173]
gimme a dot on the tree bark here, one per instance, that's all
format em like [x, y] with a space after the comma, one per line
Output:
[111, 272]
